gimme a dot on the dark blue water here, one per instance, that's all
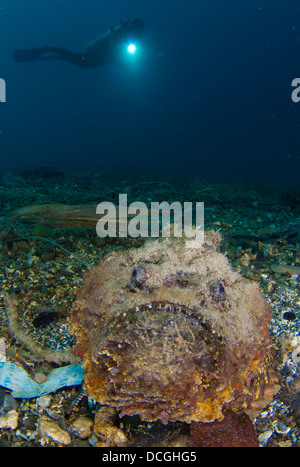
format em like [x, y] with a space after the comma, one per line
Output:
[211, 96]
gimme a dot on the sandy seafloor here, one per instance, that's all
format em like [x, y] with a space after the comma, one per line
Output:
[260, 226]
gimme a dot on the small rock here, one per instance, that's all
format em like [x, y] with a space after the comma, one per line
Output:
[111, 435]
[83, 427]
[9, 403]
[281, 428]
[104, 428]
[2, 350]
[53, 431]
[43, 401]
[93, 440]
[9, 420]
[285, 444]
[244, 261]
[40, 378]
[264, 276]
[29, 421]
[264, 437]
[20, 434]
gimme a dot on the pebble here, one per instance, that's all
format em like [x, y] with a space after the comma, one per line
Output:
[285, 269]
[104, 428]
[264, 437]
[53, 431]
[9, 403]
[2, 350]
[264, 276]
[285, 444]
[244, 261]
[83, 427]
[93, 440]
[9, 420]
[280, 427]
[40, 378]
[43, 401]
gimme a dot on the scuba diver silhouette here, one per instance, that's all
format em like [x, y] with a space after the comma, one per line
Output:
[107, 48]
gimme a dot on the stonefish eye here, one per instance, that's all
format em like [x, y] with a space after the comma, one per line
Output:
[217, 291]
[138, 278]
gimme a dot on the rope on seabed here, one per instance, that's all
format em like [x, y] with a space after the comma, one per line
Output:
[38, 353]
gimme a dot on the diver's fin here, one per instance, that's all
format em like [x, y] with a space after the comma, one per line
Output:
[27, 55]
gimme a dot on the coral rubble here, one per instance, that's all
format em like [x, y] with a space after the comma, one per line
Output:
[172, 333]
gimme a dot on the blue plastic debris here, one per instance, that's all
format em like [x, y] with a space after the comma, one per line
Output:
[13, 377]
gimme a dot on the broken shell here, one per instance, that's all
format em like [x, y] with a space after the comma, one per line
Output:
[281, 428]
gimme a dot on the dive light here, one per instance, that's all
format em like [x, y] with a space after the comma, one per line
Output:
[131, 49]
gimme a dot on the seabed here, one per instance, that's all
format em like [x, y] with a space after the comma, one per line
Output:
[42, 263]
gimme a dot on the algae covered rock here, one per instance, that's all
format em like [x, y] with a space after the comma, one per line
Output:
[173, 333]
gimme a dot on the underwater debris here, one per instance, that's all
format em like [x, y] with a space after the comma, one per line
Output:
[285, 269]
[9, 420]
[173, 353]
[37, 352]
[81, 216]
[59, 215]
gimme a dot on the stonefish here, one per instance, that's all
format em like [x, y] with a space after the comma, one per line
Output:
[172, 333]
